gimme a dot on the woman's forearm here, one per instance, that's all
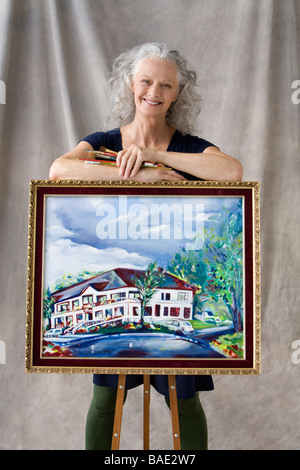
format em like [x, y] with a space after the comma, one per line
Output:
[71, 167]
[210, 165]
[75, 169]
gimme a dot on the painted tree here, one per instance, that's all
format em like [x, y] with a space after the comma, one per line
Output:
[48, 307]
[217, 268]
[147, 285]
[188, 266]
[223, 256]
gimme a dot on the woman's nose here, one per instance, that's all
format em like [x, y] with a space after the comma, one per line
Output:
[154, 90]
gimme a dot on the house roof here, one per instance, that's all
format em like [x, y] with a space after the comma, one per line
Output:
[114, 279]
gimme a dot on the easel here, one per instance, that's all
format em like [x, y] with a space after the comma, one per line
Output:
[119, 411]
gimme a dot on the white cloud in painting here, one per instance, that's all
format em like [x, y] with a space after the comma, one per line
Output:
[66, 216]
[64, 257]
[160, 220]
[54, 226]
[57, 230]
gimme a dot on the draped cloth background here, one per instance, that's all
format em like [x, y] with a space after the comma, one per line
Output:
[55, 58]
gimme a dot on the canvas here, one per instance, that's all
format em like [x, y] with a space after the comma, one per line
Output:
[144, 278]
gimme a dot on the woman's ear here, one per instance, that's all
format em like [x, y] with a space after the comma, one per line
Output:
[176, 97]
[179, 88]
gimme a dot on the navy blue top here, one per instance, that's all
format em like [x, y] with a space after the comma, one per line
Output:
[179, 143]
[186, 384]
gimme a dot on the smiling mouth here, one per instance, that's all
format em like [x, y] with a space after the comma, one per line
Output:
[153, 103]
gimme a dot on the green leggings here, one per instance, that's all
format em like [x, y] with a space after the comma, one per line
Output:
[100, 419]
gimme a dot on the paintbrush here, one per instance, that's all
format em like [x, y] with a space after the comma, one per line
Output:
[102, 155]
[111, 156]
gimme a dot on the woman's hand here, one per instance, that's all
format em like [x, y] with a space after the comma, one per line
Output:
[131, 166]
[130, 161]
[152, 175]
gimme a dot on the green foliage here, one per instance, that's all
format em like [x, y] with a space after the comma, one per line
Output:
[187, 264]
[199, 324]
[216, 268]
[147, 285]
[48, 305]
[69, 279]
[230, 345]
[223, 255]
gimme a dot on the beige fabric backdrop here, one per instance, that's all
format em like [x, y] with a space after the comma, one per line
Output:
[55, 57]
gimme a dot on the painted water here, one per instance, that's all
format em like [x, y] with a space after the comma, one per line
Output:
[141, 345]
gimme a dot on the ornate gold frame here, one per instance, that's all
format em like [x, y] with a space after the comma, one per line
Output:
[53, 366]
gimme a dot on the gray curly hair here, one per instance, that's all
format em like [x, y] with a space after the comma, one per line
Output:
[181, 114]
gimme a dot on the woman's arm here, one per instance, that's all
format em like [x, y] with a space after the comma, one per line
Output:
[212, 164]
[209, 165]
[70, 167]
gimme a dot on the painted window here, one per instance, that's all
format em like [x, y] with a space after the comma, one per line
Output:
[183, 296]
[165, 296]
[63, 307]
[148, 311]
[99, 314]
[118, 311]
[135, 311]
[175, 311]
[133, 293]
[186, 312]
[119, 296]
[87, 299]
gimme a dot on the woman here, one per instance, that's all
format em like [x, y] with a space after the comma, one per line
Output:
[155, 102]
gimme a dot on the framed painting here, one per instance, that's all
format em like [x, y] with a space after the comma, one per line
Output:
[131, 278]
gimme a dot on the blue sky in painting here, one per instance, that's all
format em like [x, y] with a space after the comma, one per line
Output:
[99, 233]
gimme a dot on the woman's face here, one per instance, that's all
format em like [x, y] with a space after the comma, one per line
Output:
[155, 87]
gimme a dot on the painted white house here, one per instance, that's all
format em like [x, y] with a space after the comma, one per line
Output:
[113, 296]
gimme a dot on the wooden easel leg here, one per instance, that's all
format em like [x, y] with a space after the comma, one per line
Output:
[174, 411]
[146, 412]
[118, 412]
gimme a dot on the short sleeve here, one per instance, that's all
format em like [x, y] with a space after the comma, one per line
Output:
[111, 140]
[188, 143]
